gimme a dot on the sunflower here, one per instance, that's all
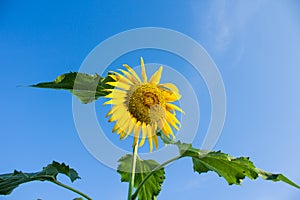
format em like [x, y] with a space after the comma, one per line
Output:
[142, 106]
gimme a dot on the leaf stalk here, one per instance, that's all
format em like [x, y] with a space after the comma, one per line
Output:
[151, 173]
[72, 189]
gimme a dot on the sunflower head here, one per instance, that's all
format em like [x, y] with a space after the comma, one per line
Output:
[142, 106]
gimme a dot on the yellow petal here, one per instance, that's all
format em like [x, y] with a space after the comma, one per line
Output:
[150, 143]
[161, 127]
[132, 72]
[151, 134]
[170, 86]
[136, 130]
[119, 84]
[155, 139]
[174, 107]
[116, 127]
[121, 111]
[112, 119]
[167, 129]
[115, 101]
[131, 125]
[123, 123]
[172, 120]
[144, 75]
[116, 94]
[150, 130]
[113, 76]
[156, 76]
[129, 76]
[144, 134]
[118, 113]
[112, 110]
[123, 79]
[171, 96]
[109, 90]
[122, 135]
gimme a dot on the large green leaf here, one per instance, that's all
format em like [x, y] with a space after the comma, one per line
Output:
[234, 170]
[87, 88]
[8, 182]
[152, 186]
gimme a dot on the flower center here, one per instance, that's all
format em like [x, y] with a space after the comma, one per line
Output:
[146, 103]
[150, 99]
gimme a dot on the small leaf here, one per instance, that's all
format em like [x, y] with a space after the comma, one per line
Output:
[152, 186]
[8, 182]
[87, 88]
[234, 170]
[62, 169]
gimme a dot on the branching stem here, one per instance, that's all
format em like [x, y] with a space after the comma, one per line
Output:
[151, 173]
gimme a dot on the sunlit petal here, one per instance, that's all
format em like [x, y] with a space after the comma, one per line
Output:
[173, 107]
[132, 72]
[144, 75]
[119, 85]
[156, 76]
[144, 134]
[136, 134]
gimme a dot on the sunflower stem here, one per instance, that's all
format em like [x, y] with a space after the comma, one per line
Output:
[151, 173]
[133, 166]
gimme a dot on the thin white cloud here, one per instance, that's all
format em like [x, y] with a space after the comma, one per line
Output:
[224, 20]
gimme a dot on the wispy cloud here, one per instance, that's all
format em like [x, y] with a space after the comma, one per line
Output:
[220, 25]
[225, 20]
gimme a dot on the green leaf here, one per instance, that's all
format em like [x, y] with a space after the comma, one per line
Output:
[152, 186]
[87, 88]
[8, 182]
[234, 170]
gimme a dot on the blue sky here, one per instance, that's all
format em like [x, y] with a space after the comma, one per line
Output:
[256, 46]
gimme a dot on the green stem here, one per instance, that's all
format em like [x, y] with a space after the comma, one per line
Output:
[132, 175]
[151, 173]
[72, 189]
